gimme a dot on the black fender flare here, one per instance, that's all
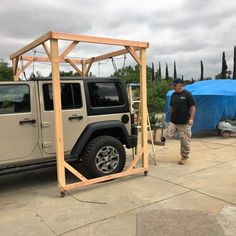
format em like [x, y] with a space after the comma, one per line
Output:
[129, 140]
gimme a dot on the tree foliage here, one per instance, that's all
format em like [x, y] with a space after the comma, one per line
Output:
[156, 95]
[156, 89]
[5, 71]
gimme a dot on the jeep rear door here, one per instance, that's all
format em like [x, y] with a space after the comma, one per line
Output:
[74, 114]
[18, 120]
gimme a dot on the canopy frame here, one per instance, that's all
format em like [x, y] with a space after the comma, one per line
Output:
[55, 58]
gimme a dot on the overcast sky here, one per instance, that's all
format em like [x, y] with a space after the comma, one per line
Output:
[185, 31]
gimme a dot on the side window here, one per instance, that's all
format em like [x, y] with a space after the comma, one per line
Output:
[70, 96]
[105, 94]
[14, 99]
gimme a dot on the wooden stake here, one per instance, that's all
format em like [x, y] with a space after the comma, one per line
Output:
[56, 87]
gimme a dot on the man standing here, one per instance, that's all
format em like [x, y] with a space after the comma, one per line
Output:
[182, 111]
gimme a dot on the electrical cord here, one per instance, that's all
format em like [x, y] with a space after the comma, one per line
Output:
[82, 201]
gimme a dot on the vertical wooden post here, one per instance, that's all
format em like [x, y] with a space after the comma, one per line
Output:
[143, 92]
[83, 68]
[56, 87]
[14, 68]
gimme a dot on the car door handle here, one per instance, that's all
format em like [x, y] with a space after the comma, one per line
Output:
[27, 121]
[75, 117]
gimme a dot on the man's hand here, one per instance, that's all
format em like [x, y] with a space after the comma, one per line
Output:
[190, 122]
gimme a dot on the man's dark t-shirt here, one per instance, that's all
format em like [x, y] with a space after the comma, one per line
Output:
[181, 103]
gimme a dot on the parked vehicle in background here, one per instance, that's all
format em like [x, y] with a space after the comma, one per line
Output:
[226, 128]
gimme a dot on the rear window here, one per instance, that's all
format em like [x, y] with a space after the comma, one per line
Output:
[70, 96]
[107, 94]
[14, 99]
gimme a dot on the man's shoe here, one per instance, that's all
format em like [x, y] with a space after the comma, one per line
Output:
[183, 161]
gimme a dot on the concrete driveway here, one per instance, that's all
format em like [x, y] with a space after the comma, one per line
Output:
[136, 205]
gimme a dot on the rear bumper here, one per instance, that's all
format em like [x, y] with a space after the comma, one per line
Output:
[132, 141]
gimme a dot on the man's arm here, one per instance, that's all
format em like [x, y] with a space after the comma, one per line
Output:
[192, 114]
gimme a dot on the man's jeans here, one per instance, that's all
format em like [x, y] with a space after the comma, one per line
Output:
[185, 134]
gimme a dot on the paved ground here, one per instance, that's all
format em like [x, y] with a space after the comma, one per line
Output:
[31, 205]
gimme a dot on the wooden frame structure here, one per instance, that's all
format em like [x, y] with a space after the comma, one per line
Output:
[53, 56]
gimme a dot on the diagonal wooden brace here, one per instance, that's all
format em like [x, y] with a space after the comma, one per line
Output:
[134, 55]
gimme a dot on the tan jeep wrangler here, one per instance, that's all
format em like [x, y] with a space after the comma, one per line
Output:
[96, 121]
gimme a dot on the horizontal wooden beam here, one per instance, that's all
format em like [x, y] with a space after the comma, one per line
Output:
[98, 40]
[80, 38]
[109, 55]
[45, 59]
[102, 179]
[32, 45]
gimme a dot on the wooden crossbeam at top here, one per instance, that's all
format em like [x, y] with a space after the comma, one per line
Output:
[78, 38]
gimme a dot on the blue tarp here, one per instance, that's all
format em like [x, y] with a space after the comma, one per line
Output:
[215, 101]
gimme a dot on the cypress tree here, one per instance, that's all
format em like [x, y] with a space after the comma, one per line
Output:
[175, 73]
[167, 72]
[153, 73]
[202, 71]
[224, 67]
[234, 72]
[159, 71]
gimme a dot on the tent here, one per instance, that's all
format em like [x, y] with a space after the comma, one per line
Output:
[215, 101]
